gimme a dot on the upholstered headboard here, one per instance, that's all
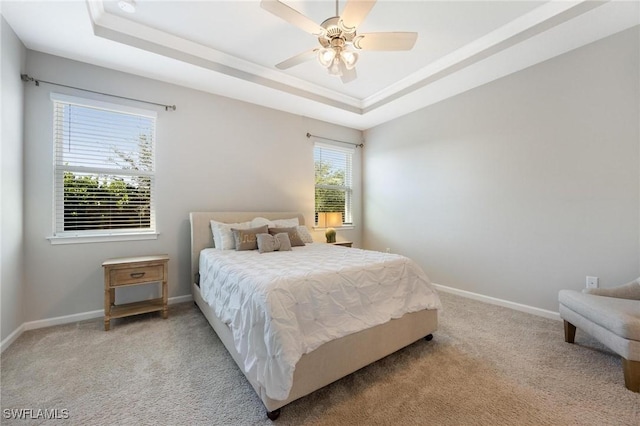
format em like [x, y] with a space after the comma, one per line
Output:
[202, 238]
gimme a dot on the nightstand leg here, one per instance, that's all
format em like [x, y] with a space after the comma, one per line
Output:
[107, 308]
[165, 299]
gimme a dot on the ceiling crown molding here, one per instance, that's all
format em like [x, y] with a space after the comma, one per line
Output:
[125, 31]
[551, 29]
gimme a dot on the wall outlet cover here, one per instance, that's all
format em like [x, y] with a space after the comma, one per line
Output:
[592, 282]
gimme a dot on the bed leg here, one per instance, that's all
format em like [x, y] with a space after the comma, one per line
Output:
[428, 337]
[273, 415]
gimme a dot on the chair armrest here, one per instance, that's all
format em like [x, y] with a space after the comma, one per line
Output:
[628, 291]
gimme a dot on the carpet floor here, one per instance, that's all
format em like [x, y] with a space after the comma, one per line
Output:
[486, 365]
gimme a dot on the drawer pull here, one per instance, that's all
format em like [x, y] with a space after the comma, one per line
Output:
[137, 274]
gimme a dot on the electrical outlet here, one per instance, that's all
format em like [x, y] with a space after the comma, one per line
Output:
[592, 282]
[387, 250]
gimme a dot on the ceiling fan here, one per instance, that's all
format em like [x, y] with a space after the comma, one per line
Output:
[339, 41]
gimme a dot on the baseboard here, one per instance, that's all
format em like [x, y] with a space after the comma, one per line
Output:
[32, 325]
[181, 299]
[11, 338]
[67, 319]
[500, 302]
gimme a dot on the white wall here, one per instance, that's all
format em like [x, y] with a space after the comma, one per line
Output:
[11, 182]
[521, 187]
[213, 154]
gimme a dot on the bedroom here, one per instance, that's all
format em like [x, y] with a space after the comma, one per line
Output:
[532, 180]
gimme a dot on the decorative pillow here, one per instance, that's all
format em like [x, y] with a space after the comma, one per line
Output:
[293, 235]
[222, 235]
[260, 221]
[278, 242]
[305, 236]
[285, 223]
[246, 238]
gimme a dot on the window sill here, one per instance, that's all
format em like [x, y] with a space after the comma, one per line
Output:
[97, 238]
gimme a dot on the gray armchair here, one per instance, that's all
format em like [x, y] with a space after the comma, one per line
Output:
[611, 315]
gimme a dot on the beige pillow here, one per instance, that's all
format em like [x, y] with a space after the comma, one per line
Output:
[222, 235]
[294, 237]
[278, 242]
[245, 239]
[304, 233]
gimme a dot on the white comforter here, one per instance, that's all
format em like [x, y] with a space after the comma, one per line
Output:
[281, 305]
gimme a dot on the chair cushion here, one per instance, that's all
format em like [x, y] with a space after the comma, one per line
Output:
[620, 316]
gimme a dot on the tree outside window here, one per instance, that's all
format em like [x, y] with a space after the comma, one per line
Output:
[333, 188]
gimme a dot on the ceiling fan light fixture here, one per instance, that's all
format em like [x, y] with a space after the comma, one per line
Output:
[338, 36]
[335, 68]
[349, 58]
[326, 56]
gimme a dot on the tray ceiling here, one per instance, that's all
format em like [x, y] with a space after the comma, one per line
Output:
[231, 47]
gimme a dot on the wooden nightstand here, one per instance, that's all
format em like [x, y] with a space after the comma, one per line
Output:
[342, 243]
[128, 271]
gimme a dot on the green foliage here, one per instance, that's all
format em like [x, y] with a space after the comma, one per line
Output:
[328, 175]
[330, 181]
[330, 235]
[110, 201]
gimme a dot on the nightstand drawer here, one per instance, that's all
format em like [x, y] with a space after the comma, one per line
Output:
[139, 275]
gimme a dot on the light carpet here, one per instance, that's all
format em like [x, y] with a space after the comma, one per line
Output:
[486, 365]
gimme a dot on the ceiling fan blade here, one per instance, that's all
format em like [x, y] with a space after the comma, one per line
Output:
[385, 41]
[347, 75]
[355, 11]
[298, 59]
[292, 16]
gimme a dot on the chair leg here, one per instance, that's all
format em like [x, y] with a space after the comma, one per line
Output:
[631, 371]
[569, 332]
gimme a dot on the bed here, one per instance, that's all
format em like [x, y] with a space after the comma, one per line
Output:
[323, 360]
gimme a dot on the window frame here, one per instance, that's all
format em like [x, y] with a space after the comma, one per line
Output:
[60, 236]
[349, 151]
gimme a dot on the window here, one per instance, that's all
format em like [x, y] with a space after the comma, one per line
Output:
[334, 191]
[104, 168]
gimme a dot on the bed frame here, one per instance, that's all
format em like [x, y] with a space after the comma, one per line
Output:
[332, 360]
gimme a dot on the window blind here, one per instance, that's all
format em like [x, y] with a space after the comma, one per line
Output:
[104, 168]
[333, 180]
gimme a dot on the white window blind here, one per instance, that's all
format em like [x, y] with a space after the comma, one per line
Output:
[333, 172]
[104, 168]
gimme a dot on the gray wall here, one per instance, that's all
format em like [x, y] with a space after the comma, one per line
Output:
[11, 182]
[521, 187]
[213, 154]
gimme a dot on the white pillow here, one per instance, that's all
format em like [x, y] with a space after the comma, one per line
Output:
[261, 221]
[222, 235]
[285, 223]
[305, 236]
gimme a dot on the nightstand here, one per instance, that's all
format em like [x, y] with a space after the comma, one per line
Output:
[130, 271]
[342, 243]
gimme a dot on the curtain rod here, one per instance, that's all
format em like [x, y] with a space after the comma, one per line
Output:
[26, 78]
[358, 145]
